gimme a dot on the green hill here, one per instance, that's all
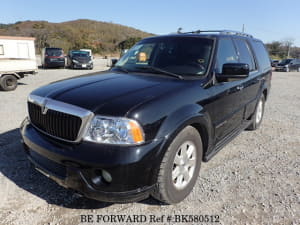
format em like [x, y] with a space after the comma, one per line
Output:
[101, 37]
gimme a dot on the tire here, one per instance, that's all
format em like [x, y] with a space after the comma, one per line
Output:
[172, 187]
[8, 83]
[258, 115]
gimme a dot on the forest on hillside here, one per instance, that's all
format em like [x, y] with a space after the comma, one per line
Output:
[101, 37]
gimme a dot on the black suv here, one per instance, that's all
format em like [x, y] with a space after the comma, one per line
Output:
[288, 65]
[53, 57]
[79, 59]
[144, 127]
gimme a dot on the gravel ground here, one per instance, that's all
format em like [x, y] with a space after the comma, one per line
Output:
[253, 180]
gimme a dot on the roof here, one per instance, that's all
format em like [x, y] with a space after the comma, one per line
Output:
[17, 38]
[209, 34]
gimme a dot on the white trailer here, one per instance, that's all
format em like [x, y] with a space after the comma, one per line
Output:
[17, 58]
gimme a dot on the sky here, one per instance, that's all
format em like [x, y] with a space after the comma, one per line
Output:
[268, 20]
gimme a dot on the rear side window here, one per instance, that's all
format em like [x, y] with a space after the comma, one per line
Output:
[261, 54]
[226, 54]
[244, 53]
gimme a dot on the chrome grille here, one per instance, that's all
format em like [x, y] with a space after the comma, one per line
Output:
[55, 123]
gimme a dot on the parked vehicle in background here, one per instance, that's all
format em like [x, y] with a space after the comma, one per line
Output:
[88, 50]
[78, 59]
[274, 62]
[144, 127]
[17, 58]
[288, 65]
[53, 57]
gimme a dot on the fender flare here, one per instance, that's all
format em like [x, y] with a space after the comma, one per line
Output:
[192, 114]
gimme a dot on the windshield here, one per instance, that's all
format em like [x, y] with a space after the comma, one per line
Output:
[285, 61]
[178, 55]
[80, 54]
[54, 52]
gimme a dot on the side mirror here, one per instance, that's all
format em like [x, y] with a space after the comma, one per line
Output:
[235, 70]
[113, 62]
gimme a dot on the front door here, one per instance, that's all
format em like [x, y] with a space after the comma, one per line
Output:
[227, 106]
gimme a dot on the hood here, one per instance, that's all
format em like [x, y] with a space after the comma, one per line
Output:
[109, 93]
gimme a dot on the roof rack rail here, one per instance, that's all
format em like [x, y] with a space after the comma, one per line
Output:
[225, 32]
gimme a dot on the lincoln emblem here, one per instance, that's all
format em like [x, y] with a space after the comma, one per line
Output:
[44, 108]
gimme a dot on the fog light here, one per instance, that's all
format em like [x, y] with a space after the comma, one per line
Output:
[107, 177]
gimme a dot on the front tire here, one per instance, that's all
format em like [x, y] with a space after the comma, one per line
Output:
[8, 83]
[258, 115]
[180, 167]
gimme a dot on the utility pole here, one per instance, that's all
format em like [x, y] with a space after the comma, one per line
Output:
[243, 29]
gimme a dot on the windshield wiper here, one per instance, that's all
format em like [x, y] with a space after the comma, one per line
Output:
[155, 69]
[121, 69]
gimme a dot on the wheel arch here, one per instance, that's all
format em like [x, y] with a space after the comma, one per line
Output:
[191, 115]
[13, 74]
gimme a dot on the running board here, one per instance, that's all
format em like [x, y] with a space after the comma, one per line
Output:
[221, 144]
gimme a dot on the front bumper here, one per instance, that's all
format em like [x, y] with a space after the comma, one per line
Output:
[280, 68]
[49, 62]
[82, 65]
[133, 169]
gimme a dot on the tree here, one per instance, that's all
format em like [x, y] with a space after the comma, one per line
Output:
[128, 43]
[287, 43]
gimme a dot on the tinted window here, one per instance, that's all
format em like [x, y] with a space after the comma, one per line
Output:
[80, 54]
[226, 54]
[285, 61]
[261, 54]
[54, 52]
[296, 61]
[244, 52]
[181, 55]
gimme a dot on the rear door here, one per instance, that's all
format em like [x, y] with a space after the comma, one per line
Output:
[251, 85]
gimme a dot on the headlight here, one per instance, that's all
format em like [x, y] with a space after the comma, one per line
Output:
[75, 61]
[114, 130]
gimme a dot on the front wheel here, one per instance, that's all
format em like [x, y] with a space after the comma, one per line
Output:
[8, 83]
[258, 115]
[180, 167]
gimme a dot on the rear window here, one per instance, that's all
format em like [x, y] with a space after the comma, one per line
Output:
[261, 54]
[54, 51]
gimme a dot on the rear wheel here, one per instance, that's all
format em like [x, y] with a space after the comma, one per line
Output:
[258, 115]
[180, 167]
[8, 83]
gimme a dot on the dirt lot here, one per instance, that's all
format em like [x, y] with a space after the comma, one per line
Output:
[253, 180]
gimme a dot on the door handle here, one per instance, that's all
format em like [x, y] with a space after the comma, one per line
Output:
[240, 87]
